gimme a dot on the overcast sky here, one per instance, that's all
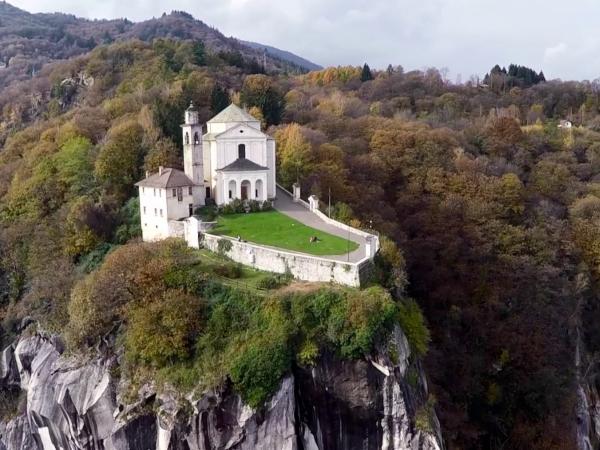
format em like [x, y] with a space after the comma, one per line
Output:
[465, 36]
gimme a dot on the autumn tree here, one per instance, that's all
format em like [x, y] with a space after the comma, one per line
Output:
[293, 154]
[87, 225]
[259, 91]
[163, 153]
[163, 330]
[119, 161]
[74, 164]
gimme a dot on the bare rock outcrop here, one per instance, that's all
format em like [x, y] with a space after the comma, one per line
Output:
[70, 404]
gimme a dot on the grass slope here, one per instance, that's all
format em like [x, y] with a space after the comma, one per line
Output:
[278, 230]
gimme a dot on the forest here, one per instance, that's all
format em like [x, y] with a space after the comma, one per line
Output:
[490, 213]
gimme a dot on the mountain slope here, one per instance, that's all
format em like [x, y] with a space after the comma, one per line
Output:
[284, 55]
[29, 41]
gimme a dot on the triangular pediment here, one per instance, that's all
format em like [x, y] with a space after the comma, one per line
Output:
[241, 131]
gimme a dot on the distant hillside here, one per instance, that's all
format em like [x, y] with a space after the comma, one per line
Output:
[284, 55]
[28, 41]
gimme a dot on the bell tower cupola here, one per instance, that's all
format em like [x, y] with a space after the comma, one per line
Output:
[192, 146]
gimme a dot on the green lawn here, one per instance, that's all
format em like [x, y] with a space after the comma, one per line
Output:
[278, 230]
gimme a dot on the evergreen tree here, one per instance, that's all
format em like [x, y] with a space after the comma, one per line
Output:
[541, 77]
[219, 99]
[199, 53]
[107, 38]
[366, 74]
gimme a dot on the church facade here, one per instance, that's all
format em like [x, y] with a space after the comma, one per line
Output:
[233, 159]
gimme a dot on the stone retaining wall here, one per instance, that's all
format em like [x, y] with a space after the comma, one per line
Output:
[301, 266]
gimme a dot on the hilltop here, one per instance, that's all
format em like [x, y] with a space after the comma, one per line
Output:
[29, 41]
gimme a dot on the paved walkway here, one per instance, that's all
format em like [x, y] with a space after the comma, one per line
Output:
[296, 211]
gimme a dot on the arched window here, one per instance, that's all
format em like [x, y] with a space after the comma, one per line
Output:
[187, 138]
[196, 138]
[241, 151]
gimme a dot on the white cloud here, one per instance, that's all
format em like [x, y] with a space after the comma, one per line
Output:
[554, 52]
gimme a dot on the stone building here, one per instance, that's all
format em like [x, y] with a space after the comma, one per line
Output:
[165, 196]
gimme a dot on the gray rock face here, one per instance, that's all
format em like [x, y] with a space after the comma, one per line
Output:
[334, 405]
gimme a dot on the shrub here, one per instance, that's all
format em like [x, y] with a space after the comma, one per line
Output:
[257, 370]
[413, 324]
[424, 415]
[12, 402]
[229, 270]
[356, 322]
[90, 262]
[342, 212]
[267, 205]
[190, 279]
[223, 246]
[308, 353]
[129, 217]
[207, 213]
[236, 206]
[163, 331]
[272, 282]
[348, 322]
[254, 205]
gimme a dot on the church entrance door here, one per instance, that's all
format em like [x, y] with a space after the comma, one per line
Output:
[245, 189]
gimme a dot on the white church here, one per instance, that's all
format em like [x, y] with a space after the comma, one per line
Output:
[234, 159]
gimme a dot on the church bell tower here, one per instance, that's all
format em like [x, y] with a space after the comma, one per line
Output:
[192, 146]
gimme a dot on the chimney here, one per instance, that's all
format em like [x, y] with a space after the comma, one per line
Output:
[160, 170]
[147, 174]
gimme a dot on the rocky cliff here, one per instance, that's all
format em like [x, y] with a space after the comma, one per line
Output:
[367, 404]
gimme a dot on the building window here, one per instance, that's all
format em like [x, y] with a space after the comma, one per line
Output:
[196, 138]
[145, 224]
[154, 191]
[143, 190]
[161, 212]
[190, 190]
[230, 194]
[187, 138]
[179, 194]
[174, 192]
[242, 151]
[255, 193]
[144, 210]
[191, 209]
[155, 212]
[207, 192]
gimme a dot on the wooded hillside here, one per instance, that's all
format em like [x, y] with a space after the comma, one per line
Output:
[495, 209]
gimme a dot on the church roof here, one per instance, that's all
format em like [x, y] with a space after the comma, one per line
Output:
[233, 113]
[169, 178]
[242, 165]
